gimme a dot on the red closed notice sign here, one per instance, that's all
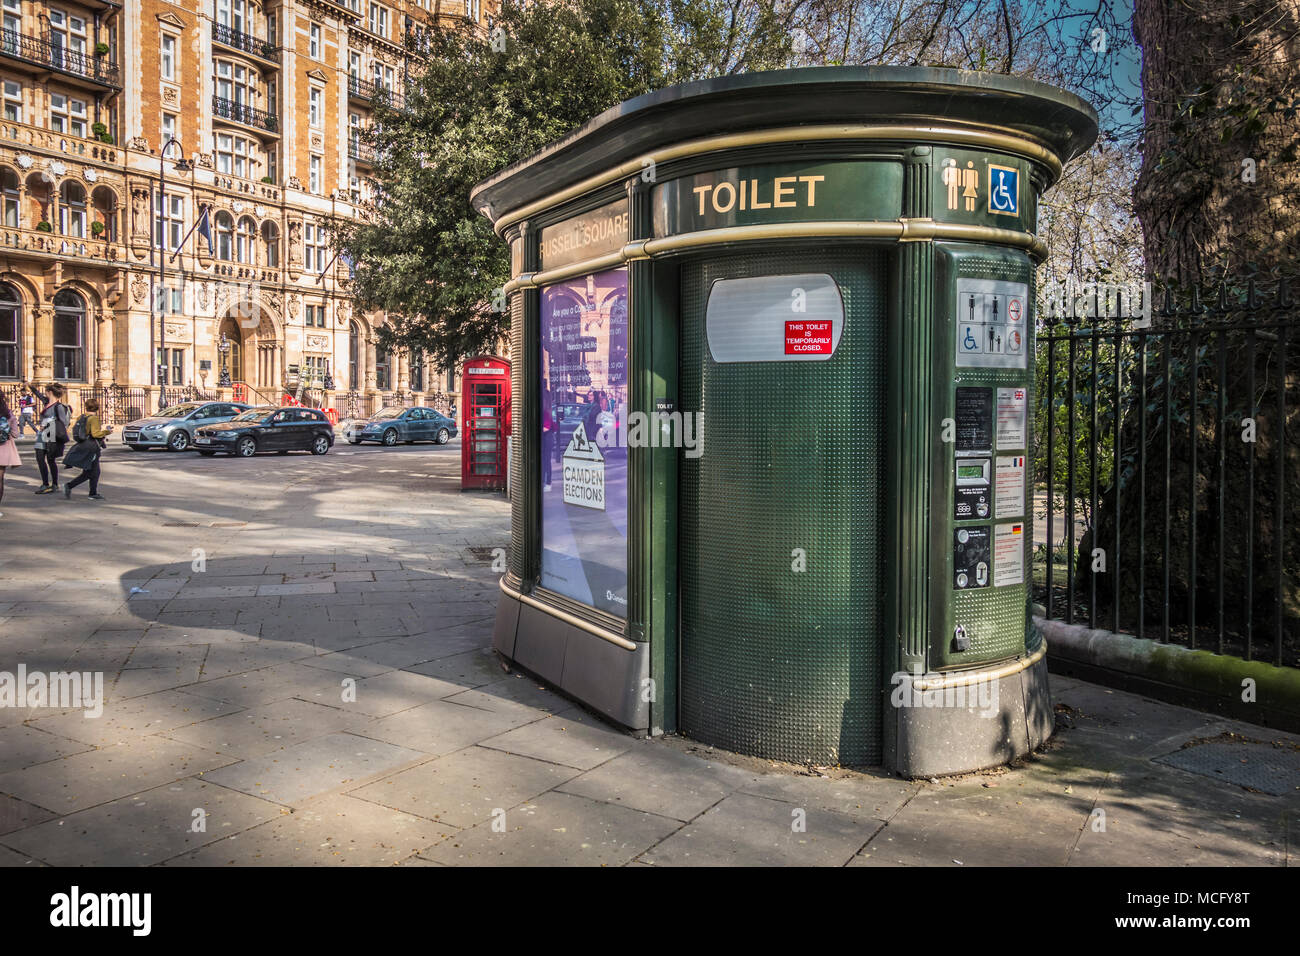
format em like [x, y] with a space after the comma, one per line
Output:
[808, 338]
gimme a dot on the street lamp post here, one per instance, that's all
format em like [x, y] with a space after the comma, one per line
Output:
[182, 165]
[224, 348]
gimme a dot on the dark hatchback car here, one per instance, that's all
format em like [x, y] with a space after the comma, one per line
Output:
[392, 425]
[268, 428]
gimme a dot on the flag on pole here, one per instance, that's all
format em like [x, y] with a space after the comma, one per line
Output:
[351, 263]
[205, 228]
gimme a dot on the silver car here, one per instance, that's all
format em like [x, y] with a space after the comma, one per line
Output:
[173, 428]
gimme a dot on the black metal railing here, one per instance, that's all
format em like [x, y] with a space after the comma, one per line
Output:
[248, 115]
[246, 42]
[1165, 450]
[88, 66]
[367, 90]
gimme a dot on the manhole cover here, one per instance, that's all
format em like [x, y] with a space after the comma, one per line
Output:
[1252, 764]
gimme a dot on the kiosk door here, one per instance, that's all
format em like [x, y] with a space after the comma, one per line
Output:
[486, 429]
[782, 515]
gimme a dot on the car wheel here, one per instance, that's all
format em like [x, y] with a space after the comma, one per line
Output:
[207, 454]
[320, 445]
[390, 437]
[179, 440]
[246, 448]
[443, 436]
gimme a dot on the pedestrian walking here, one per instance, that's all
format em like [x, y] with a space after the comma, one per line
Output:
[26, 413]
[89, 435]
[51, 435]
[8, 443]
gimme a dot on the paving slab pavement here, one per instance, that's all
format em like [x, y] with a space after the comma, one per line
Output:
[323, 690]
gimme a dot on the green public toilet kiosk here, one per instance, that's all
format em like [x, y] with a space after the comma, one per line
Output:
[772, 342]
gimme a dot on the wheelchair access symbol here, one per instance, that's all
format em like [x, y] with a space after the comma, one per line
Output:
[1004, 190]
[969, 343]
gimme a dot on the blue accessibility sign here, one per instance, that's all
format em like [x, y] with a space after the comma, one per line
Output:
[1004, 190]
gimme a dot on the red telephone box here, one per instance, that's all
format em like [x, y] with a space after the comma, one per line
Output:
[485, 422]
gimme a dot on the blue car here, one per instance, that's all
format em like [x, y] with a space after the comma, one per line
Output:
[393, 425]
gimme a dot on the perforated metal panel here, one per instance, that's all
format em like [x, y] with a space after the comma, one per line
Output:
[775, 661]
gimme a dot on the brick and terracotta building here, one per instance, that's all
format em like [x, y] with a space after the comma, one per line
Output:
[265, 102]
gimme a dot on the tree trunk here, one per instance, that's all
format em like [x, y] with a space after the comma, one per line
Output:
[1206, 66]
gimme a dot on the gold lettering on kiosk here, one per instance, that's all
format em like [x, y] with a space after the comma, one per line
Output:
[781, 193]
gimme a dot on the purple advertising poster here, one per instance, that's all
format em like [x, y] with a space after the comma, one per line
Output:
[584, 472]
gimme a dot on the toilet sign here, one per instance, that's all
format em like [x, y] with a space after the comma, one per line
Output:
[1004, 190]
[584, 472]
[990, 324]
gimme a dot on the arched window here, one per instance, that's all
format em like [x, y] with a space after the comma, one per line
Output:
[69, 336]
[104, 211]
[9, 189]
[354, 354]
[270, 245]
[244, 236]
[225, 229]
[72, 209]
[11, 332]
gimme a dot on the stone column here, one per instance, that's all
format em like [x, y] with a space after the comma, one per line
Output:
[104, 339]
[43, 354]
[403, 371]
[371, 356]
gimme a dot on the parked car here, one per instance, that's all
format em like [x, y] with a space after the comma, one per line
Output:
[268, 428]
[173, 428]
[392, 425]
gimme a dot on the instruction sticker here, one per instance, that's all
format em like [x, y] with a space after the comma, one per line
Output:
[1009, 501]
[974, 407]
[1008, 554]
[1011, 418]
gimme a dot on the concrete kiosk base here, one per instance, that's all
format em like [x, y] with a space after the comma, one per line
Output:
[954, 723]
[602, 674]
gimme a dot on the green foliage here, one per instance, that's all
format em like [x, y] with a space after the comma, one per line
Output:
[422, 253]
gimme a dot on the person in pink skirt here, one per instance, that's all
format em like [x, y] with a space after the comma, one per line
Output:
[8, 448]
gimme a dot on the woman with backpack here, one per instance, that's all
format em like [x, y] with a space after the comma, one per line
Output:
[8, 443]
[51, 436]
[89, 435]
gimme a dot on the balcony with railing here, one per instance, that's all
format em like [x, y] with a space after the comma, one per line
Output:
[362, 152]
[368, 92]
[41, 245]
[82, 148]
[245, 43]
[35, 52]
[249, 116]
